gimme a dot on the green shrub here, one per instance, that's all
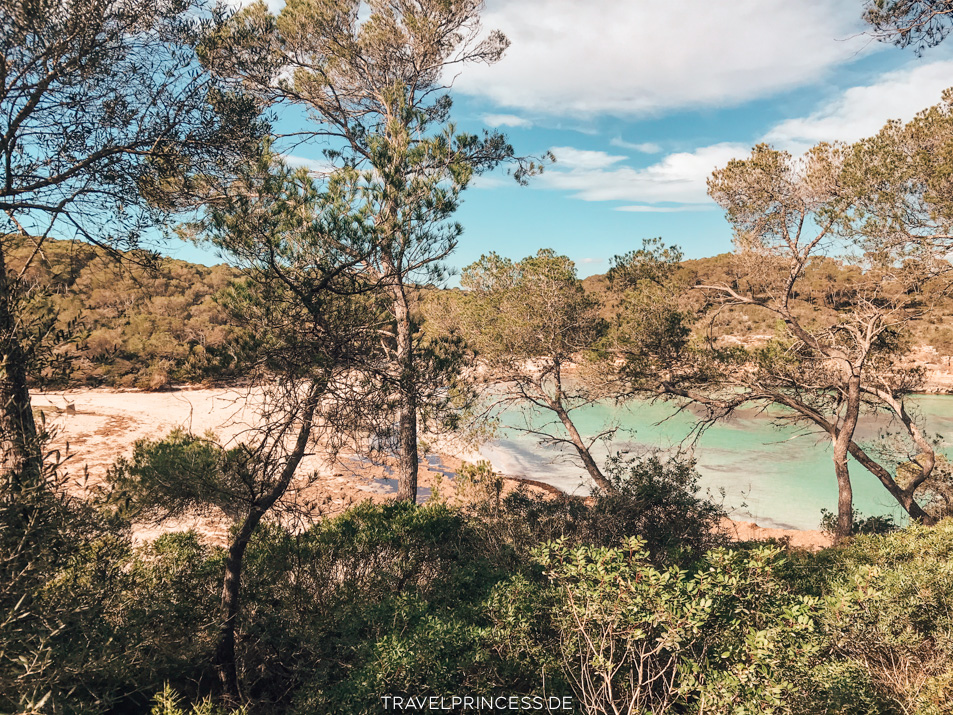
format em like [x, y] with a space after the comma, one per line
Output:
[728, 638]
[405, 600]
[384, 599]
[657, 500]
[168, 702]
[890, 612]
[89, 622]
[862, 525]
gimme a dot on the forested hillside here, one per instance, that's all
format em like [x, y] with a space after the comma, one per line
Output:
[155, 321]
[826, 283]
[146, 323]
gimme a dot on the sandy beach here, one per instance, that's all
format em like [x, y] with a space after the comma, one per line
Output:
[95, 426]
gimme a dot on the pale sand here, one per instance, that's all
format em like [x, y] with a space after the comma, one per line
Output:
[95, 426]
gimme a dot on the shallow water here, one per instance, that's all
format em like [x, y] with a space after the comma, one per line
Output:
[778, 475]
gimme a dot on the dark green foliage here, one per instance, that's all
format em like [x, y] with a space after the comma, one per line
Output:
[387, 599]
[397, 599]
[182, 473]
[660, 501]
[90, 622]
[861, 524]
[657, 500]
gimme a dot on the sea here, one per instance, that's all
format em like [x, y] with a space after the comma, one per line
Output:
[759, 464]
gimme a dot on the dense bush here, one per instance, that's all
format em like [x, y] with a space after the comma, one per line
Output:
[728, 638]
[657, 500]
[861, 525]
[89, 622]
[890, 614]
[390, 599]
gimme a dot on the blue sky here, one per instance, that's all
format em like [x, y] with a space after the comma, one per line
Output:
[639, 103]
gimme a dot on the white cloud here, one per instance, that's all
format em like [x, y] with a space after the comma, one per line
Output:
[584, 159]
[591, 260]
[317, 166]
[274, 6]
[643, 148]
[678, 178]
[642, 208]
[678, 181]
[506, 120]
[573, 58]
[862, 111]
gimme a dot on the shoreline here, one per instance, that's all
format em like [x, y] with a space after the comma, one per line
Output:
[737, 530]
[98, 425]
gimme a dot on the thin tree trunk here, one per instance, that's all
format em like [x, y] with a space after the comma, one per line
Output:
[842, 442]
[587, 461]
[20, 453]
[904, 497]
[225, 661]
[407, 410]
[845, 496]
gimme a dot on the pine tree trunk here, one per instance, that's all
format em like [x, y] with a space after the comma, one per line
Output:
[407, 411]
[225, 659]
[226, 664]
[842, 441]
[587, 461]
[845, 497]
[20, 453]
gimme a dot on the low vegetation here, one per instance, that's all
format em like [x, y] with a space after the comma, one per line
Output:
[629, 603]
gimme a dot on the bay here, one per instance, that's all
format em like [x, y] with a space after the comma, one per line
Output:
[779, 475]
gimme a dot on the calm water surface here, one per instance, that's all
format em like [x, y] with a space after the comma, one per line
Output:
[777, 475]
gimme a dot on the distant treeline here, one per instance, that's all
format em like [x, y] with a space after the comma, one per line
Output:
[145, 322]
[153, 321]
[826, 283]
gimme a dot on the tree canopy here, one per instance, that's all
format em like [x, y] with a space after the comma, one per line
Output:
[105, 112]
[789, 214]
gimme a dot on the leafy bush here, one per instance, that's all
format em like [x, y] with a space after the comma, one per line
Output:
[384, 599]
[87, 621]
[168, 702]
[891, 614]
[728, 638]
[861, 524]
[657, 500]
[405, 600]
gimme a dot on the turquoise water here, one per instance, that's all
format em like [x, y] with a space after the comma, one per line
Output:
[778, 475]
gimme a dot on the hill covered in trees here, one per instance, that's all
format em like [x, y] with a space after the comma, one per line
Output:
[151, 321]
[826, 285]
[146, 322]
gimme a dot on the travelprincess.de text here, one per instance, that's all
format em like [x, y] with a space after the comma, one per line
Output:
[477, 702]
